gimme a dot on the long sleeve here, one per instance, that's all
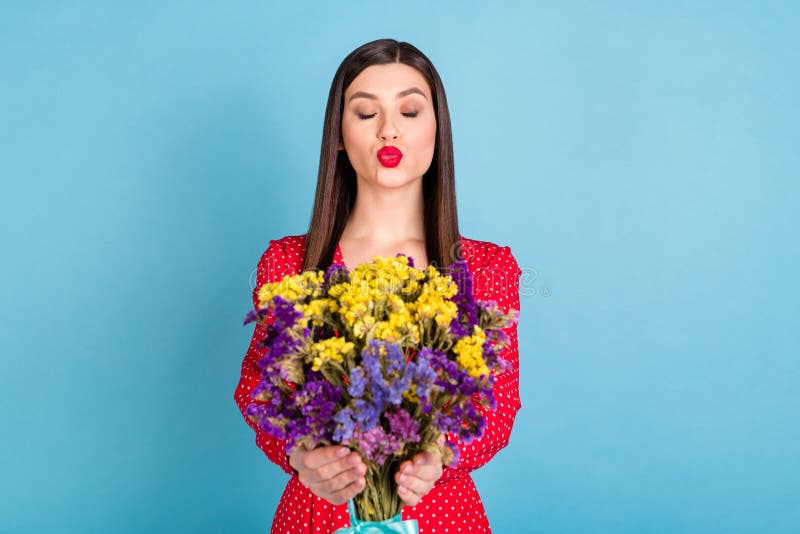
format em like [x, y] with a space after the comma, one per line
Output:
[271, 268]
[497, 281]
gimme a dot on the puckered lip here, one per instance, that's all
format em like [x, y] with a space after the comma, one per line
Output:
[389, 151]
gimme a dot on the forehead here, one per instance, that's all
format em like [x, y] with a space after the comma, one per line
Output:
[385, 81]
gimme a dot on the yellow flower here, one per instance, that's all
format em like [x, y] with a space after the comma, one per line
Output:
[292, 288]
[362, 327]
[469, 353]
[432, 305]
[397, 326]
[384, 276]
[319, 308]
[331, 349]
[354, 308]
[411, 394]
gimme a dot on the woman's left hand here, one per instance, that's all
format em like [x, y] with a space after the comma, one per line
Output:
[415, 477]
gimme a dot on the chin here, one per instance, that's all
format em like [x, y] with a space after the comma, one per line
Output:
[391, 178]
[394, 178]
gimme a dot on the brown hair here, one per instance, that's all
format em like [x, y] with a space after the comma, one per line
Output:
[336, 180]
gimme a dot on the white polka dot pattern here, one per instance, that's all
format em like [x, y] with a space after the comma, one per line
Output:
[453, 505]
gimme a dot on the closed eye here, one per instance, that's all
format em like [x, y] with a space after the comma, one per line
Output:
[410, 115]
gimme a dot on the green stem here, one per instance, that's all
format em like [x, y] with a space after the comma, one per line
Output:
[380, 494]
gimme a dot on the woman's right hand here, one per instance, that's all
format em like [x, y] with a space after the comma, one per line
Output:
[332, 472]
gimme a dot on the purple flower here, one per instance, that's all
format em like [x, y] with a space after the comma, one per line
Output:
[316, 403]
[265, 423]
[376, 444]
[410, 259]
[465, 300]
[358, 382]
[462, 420]
[366, 412]
[422, 373]
[336, 274]
[256, 410]
[270, 394]
[280, 344]
[306, 414]
[254, 315]
[397, 377]
[451, 379]
[285, 314]
[345, 426]
[271, 413]
[403, 426]
[378, 382]
[490, 352]
[456, 453]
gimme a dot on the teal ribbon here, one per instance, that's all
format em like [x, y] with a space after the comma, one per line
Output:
[394, 525]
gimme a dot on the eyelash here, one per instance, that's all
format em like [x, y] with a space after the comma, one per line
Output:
[365, 117]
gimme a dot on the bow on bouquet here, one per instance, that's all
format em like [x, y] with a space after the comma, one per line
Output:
[383, 360]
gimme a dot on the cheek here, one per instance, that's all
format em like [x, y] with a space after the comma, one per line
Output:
[352, 137]
[347, 133]
[427, 136]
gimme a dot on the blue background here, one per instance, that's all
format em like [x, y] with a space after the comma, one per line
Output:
[640, 158]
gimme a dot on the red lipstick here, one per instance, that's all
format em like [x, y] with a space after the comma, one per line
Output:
[390, 156]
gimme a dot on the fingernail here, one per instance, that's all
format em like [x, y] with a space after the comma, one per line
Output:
[419, 461]
[403, 478]
[341, 453]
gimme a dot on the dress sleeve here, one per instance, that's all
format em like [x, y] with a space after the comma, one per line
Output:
[499, 281]
[271, 268]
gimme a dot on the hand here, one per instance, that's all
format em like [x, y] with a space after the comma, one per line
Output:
[416, 477]
[332, 472]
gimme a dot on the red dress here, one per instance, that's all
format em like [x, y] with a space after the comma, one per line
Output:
[453, 505]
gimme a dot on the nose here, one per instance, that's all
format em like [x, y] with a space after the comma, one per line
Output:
[388, 129]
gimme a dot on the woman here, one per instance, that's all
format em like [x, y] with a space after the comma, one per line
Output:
[386, 186]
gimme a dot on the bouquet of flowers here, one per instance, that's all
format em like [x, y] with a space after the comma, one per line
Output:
[383, 360]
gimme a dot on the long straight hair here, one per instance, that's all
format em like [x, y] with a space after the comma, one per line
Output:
[336, 180]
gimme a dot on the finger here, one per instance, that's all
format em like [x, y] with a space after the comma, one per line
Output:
[348, 492]
[408, 497]
[424, 472]
[405, 467]
[423, 461]
[419, 477]
[428, 457]
[323, 456]
[429, 473]
[343, 479]
[333, 469]
[296, 459]
[415, 484]
[418, 465]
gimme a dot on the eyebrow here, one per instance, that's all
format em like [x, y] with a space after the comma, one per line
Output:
[401, 94]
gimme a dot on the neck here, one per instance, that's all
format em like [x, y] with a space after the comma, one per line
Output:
[387, 215]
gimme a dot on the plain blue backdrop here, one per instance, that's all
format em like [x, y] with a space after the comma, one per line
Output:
[640, 158]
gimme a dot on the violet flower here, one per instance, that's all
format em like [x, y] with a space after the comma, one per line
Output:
[376, 444]
[464, 299]
[403, 426]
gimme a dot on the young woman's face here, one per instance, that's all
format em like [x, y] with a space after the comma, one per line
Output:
[389, 105]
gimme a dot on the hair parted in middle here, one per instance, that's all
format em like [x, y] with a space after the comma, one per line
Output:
[336, 180]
